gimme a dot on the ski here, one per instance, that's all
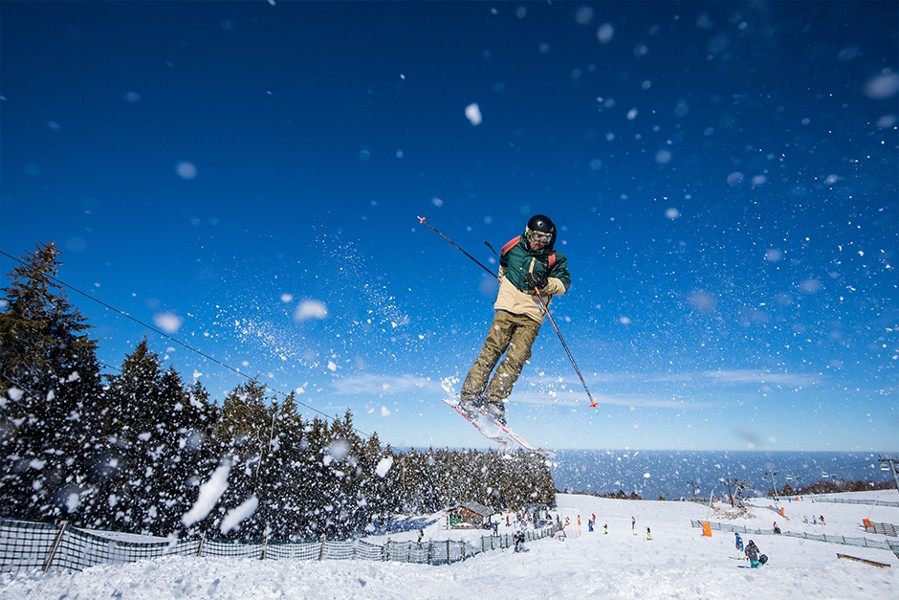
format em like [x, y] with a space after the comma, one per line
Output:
[493, 430]
[517, 438]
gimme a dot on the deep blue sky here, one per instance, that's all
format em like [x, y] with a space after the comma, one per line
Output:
[247, 176]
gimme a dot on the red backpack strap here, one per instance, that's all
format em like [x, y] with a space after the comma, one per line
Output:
[551, 260]
[510, 244]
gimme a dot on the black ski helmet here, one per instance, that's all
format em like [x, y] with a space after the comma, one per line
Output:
[543, 224]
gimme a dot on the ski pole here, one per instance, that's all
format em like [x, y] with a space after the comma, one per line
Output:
[424, 221]
[593, 403]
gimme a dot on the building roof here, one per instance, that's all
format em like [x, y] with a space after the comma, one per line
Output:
[477, 508]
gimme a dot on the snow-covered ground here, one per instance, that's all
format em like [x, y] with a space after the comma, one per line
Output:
[678, 562]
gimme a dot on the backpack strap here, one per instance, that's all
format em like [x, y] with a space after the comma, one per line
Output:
[510, 244]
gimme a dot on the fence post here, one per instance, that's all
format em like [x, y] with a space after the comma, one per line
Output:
[264, 545]
[321, 551]
[56, 542]
[449, 557]
[200, 542]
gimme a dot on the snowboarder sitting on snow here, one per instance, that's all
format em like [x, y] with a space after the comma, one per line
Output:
[518, 538]
[527, 263]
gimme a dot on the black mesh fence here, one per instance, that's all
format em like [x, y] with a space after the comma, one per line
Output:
[25, 545]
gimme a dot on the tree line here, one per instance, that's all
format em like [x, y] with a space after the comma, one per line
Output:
[133, 451]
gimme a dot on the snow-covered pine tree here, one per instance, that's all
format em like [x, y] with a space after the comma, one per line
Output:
[135, 419]
[49, 383]
[242, 434]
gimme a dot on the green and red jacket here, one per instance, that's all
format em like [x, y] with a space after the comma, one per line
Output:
[516, 261]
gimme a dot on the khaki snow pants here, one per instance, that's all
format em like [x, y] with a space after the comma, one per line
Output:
[510, 334]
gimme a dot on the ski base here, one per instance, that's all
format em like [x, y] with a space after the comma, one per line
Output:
[493, 430]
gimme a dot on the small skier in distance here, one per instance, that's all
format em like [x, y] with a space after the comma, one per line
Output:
[518, 538]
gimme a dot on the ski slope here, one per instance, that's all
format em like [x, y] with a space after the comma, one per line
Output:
[677, 563]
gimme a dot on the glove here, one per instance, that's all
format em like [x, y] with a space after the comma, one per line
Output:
[536, 280]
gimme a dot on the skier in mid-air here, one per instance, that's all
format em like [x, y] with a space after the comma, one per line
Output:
[528, 265]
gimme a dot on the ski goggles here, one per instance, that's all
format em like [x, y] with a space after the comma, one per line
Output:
[539, 237]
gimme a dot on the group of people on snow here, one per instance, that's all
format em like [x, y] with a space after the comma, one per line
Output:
[751, 552]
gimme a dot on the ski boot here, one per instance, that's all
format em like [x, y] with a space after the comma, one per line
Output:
[471, 406]
[497, 410]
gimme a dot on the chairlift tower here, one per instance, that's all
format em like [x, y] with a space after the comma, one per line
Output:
[773, 474]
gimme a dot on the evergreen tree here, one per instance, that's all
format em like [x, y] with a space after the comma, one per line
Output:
[135, 414]
[376, 499]
[242, 434]
[280, 513]
[49, 381]
[180, 452]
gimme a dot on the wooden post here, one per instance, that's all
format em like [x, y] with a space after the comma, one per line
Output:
[55, 546]
[321, 551]
[200, 543]
[873, 563]
[264, 545]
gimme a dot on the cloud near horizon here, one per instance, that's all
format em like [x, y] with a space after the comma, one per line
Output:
[386, 385]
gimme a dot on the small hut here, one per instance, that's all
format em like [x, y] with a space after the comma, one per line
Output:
[470, 514]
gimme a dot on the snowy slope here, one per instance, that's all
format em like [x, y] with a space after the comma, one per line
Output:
[677, 563]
